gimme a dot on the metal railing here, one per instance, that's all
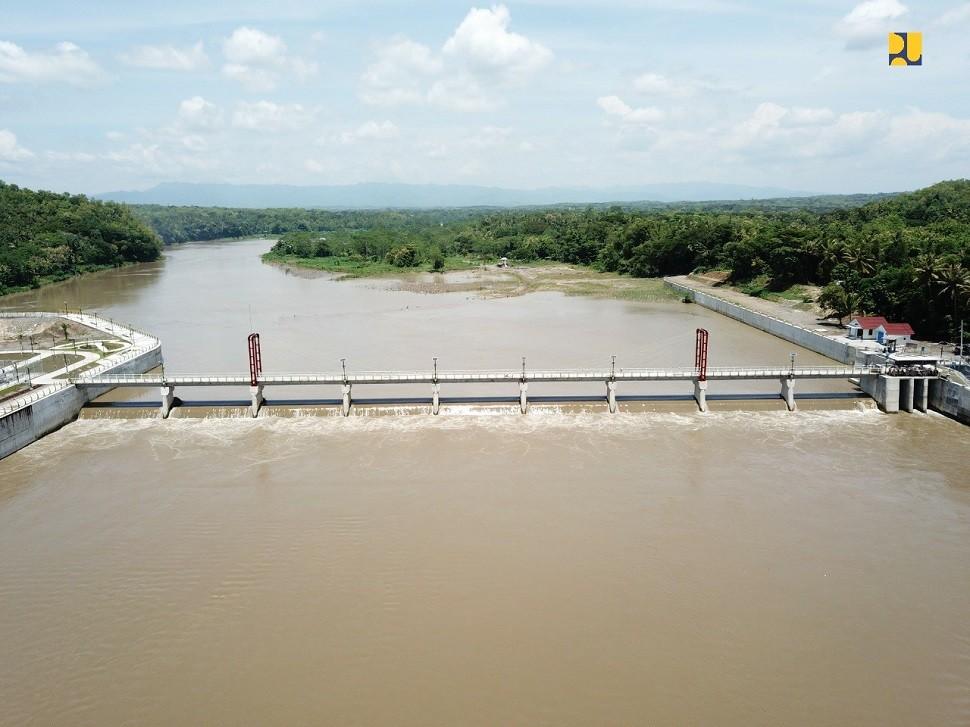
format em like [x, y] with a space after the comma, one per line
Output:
[92, 378]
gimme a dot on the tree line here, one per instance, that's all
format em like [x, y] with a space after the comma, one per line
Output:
[906, 257]
[46, 237]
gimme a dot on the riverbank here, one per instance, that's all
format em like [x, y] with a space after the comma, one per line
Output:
[488, 281]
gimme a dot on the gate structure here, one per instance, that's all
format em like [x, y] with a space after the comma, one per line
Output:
[700, 364]
[700, 354]
[255, 360]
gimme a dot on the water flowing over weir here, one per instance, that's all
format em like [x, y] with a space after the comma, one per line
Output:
[748, 566]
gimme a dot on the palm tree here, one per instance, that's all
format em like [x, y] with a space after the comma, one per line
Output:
[925, 267]
[860, 259]
[954, 281]
[839, 302]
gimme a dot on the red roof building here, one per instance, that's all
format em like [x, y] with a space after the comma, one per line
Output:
[898, 329]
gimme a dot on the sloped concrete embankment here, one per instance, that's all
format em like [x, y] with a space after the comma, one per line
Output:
[825, 345]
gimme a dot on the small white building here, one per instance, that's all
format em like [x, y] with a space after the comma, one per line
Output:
[901, 333]
[864, 328]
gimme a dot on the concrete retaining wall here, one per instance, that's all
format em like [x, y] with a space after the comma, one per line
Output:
[950, 398]
[825, 345]
[62, 405]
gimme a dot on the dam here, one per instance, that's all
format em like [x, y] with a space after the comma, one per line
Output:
[135, 362]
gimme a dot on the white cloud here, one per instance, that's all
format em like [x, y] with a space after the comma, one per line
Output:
[956, 15]
[933, 135]
[371, 131]
[869, 22]
[10, 150]
[658, 85]
[479, 56]
[484, 43]
[250, 46]
[67, 63]
[615, 106]
[461, 93]
[167, 57]
[399, 74]
[197, 113]
[268, 116]
[70, 156]
[148, 156]
[258, 60]
[771, 123]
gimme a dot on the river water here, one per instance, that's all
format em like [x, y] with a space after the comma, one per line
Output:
[563, 568]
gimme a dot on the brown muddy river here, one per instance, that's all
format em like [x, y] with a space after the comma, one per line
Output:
[566, 567]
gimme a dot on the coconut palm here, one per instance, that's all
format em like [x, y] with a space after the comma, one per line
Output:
[860, 259]
[925, 267]
[954, 282]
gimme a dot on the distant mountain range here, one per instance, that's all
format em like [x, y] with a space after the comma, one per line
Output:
[370, 196]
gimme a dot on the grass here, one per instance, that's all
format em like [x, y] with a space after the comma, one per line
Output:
[352, 267]
[758, 287]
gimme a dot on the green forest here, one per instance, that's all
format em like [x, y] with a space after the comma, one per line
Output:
[906, 257]
[46, 237]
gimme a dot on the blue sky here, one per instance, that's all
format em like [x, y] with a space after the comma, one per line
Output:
[113, 95]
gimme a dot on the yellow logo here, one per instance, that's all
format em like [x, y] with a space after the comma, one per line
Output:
[905, 49]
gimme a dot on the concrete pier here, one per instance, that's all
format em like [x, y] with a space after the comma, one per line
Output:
[788, 392]
[611, 396]
[435, 398]
[168, 400]
[523, 397]
[256, 392]
[906, 395]
[700, 395]
[345, 389]
[921, 395]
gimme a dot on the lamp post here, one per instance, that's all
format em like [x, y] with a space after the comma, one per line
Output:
[792, 363]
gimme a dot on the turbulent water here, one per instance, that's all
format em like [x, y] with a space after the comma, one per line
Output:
[567, 567]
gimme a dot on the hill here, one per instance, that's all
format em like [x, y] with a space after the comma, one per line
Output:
[46, 237]
[428, 196]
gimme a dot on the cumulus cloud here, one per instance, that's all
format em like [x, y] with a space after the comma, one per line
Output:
[480, 57]
[399, 74]
[371, 131]
[484, 43]
[616, 107]
[66, 63]
[258, 60]
[10, 150]
[167, 57]
[959, 14]
[270, 117]
[461, 93]
[197, 113]
[771, 123]
[657, 85]
[869, 22]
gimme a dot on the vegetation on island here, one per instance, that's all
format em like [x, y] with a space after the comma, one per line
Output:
[45, 237]
[906, 257]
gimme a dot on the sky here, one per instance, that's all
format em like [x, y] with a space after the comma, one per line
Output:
[109, 95]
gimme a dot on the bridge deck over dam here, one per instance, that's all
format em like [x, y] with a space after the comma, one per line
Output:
[610, 377]
[475, 377]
